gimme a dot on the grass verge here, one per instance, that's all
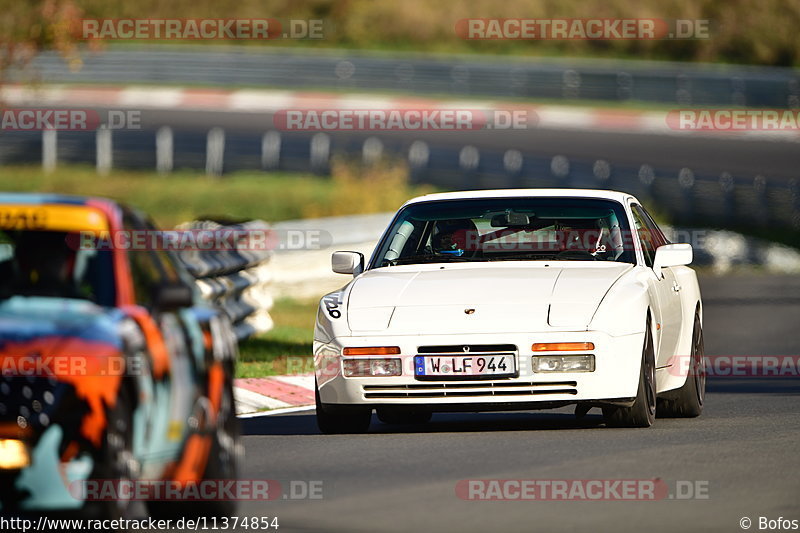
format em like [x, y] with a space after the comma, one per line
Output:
[284, 350]
[186, 195]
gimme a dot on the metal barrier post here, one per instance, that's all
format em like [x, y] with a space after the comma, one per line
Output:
[104, 153]
[164, 150]
[215, 151]
[49, 150]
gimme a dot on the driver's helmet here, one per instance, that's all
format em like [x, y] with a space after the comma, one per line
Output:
[453, 237]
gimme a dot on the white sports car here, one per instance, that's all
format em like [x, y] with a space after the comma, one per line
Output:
[512, 299]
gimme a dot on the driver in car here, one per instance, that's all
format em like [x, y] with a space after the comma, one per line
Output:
[45, 265]
[453, 237]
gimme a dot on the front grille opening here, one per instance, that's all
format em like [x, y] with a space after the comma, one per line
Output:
[460, 348]
[463, 394]
[465, 390]
[474, 385]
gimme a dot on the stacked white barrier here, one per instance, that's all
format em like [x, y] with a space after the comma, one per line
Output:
[236, 280]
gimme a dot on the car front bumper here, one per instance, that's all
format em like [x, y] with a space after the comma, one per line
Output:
[614, 380]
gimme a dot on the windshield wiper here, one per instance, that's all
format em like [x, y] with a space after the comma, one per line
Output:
[429, 259]
[523, 257]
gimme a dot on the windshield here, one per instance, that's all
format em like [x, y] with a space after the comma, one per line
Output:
[507, 229]
[52, 264]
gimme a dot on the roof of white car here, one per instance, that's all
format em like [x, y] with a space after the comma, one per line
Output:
[523, 193]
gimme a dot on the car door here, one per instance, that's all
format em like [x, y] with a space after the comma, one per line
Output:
[664, 287]
[676, 318]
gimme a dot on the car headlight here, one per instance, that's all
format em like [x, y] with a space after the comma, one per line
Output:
[371, 367]
[13, 454]
[563, 363]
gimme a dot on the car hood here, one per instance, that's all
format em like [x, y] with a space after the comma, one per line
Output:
[461, 298]
[74, 345]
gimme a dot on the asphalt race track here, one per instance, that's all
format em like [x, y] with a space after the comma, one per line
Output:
[742, 451]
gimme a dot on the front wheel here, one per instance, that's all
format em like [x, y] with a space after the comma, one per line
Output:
[116, 462]
[227, 453]
[350, 420]
[223, 462]
[642, 413]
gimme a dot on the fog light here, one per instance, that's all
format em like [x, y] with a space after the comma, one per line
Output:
[371, 367]
[563, 363]
[13, 454]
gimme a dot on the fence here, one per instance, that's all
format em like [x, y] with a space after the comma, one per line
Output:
[235, 281]
[690, 197]
[454, 75]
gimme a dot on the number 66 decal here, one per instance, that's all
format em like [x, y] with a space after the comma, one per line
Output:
[332, 303]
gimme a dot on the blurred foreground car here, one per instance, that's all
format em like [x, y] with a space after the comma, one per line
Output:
[515, 299]
[111, 369]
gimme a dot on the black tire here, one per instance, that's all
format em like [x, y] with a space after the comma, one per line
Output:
[226, 454]
[687, 402]
[389, 415]
[345, 420]
[115, 462]
[642, 413]
[223, 463]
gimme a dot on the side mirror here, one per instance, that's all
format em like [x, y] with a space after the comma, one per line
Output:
[171, 296]
[347, 263]
[672, 255]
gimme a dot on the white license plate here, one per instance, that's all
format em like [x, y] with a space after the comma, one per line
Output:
[464, 365]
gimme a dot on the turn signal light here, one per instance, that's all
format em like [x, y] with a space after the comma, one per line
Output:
[562, 346]
[374, 350]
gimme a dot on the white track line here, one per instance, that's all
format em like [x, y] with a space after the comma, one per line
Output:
[283, 411]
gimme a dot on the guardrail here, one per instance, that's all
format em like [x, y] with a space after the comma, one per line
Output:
[454, 75]
[690, 197]
[235, 281]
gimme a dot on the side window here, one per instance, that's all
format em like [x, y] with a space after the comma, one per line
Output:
[645, 233]
[660, 238]
[163, 257]
[145, 273]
